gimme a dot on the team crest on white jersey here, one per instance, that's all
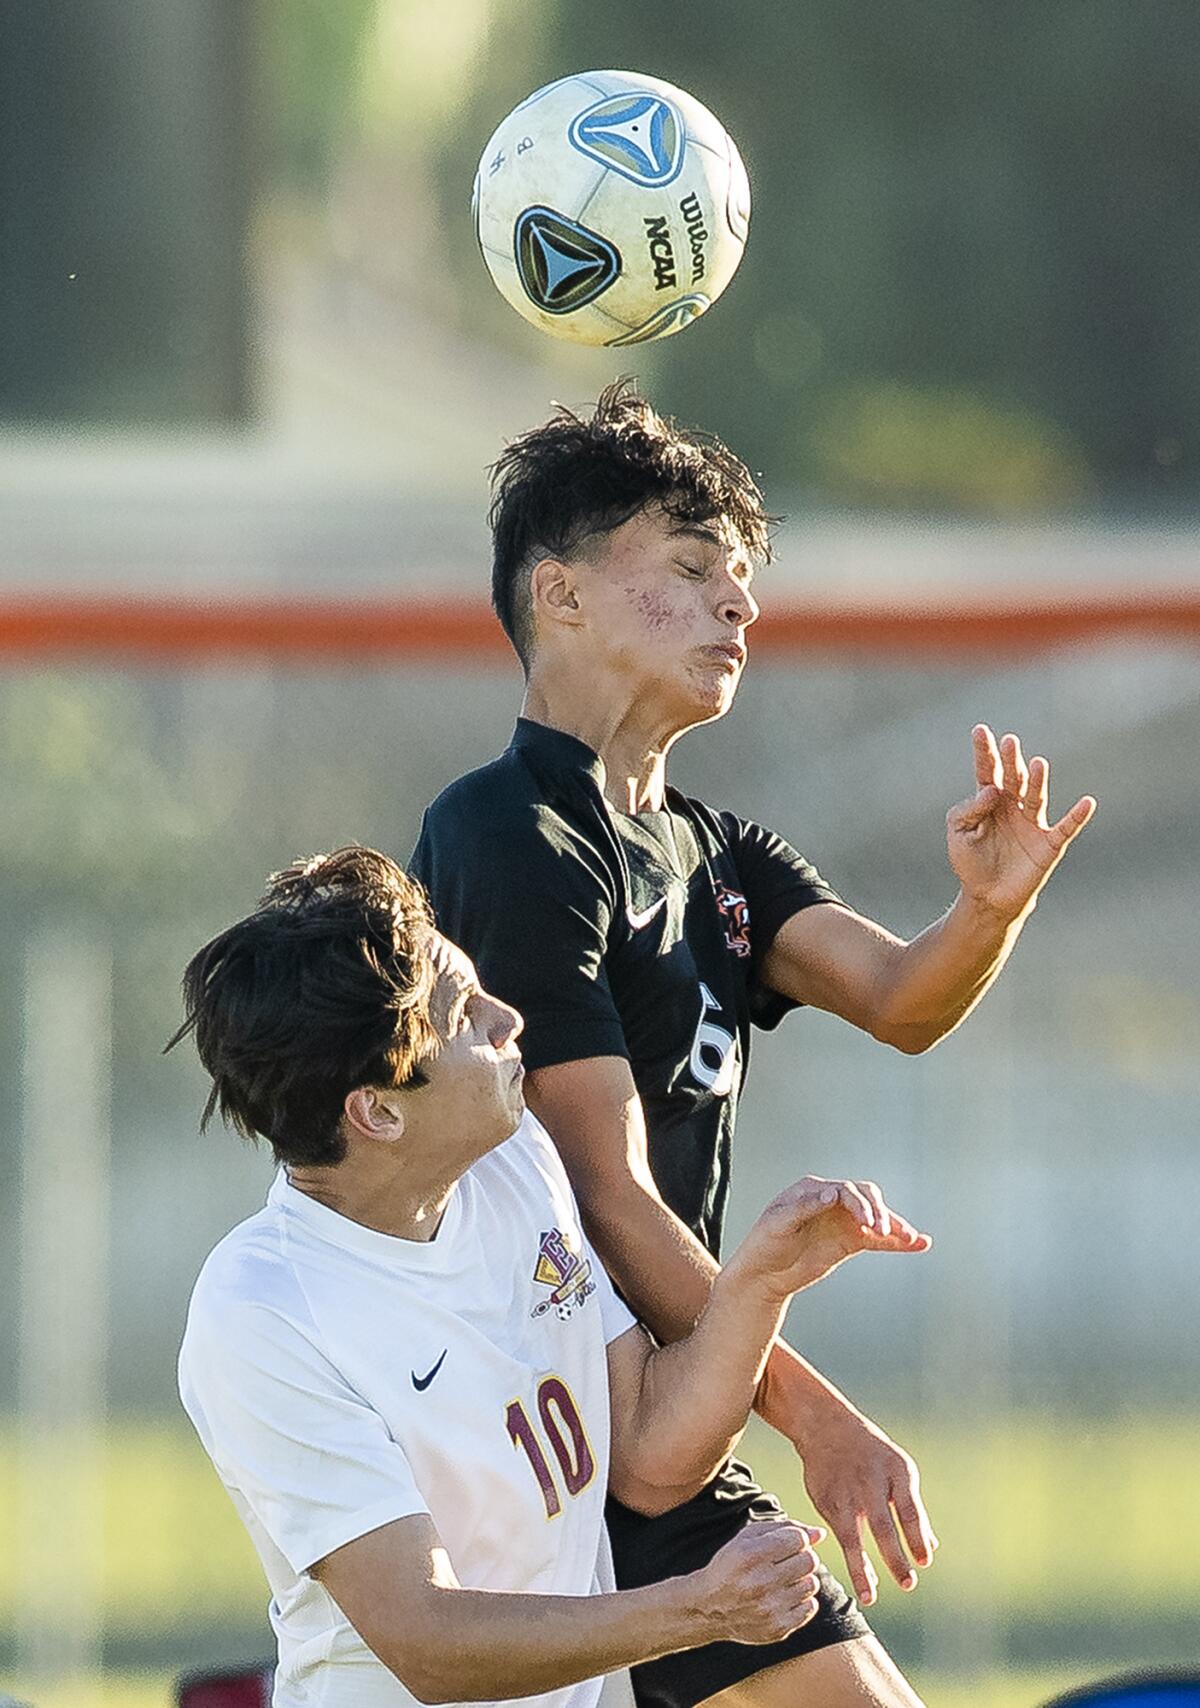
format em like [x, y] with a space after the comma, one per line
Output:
[567, 1275]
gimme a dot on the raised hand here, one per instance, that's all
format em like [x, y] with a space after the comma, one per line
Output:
[762, 1585]
[816, 1224]
[1001, 845]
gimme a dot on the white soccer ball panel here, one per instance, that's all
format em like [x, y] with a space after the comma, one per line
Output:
[737, 205]
[527, 163]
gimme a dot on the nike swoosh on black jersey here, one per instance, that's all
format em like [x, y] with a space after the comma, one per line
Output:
[420, 1383]
[637, 920]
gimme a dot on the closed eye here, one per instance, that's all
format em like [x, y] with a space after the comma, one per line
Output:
[695, 570]
[460, 1018]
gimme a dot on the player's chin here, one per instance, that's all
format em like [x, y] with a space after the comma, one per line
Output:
[712, 692]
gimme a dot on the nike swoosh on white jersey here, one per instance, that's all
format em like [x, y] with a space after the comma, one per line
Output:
[637, 920]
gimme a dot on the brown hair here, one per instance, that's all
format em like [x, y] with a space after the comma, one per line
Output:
[325, 987]
[574, 477]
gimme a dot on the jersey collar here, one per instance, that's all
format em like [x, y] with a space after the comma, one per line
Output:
[439, 1253]
[558, 751]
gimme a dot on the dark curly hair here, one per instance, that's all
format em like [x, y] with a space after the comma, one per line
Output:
[323, 988]
[574, 477]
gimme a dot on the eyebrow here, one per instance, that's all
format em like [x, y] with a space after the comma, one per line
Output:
[698, 531]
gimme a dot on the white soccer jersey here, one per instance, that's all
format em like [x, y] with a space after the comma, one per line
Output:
[340, 1378]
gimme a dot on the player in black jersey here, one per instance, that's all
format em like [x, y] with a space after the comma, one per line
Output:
[642, 934]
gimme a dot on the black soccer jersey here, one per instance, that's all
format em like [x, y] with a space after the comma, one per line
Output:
[638, 935]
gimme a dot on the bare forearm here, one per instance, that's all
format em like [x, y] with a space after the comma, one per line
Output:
[478, 1646]
[658, 1263]
[794, 1398]
[698, 1393]
[936, 979]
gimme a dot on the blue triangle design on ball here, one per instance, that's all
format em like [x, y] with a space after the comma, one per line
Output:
[640, 136]
[562, 265]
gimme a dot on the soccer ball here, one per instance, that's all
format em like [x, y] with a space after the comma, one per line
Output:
[611, 208]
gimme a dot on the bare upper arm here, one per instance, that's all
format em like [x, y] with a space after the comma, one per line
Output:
[386, 1583]
[592, 1111]
[832, 958]
[627, 1359]
[627, 1356]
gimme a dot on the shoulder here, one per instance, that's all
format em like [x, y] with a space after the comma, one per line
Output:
[744, 836]
[247, 1289]
[503, 788]
[500, 820]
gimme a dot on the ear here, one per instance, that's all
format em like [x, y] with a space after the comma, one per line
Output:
[554, 593]
[374, 1114]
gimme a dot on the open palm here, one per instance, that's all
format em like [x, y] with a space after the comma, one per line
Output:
[1001, 845]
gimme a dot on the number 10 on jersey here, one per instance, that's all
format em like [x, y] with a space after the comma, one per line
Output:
[568, 1440]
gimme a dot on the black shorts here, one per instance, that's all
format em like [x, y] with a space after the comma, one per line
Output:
[647, 1550]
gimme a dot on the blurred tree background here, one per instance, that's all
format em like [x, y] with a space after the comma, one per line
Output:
[973, 281]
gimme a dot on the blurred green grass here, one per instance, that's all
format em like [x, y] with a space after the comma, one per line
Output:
[154, 1690]
[1090, 1521]
[1042, 1510]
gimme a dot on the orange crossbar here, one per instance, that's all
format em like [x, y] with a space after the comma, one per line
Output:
[132, 630]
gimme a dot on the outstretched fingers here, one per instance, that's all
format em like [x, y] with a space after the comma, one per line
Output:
[987, 756]
[852, 1198]
[902, 1533]
[1037, 793]
[1013, 768]
[887, 1229]
[901, 1236]
[848, 1528]
[913, 1518]
[891, 1548]
[882, 1220]
[1069, 826]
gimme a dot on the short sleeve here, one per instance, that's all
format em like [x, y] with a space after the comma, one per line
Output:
[310, 1458]
[777, 882]
[531, 901]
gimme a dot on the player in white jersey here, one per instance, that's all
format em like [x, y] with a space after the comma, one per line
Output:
[404, 1367]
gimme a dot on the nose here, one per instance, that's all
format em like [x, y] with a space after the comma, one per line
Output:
[739, 607]
[504, 1023]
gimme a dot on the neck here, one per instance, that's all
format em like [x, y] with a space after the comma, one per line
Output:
[385, 1201]
[631, 739]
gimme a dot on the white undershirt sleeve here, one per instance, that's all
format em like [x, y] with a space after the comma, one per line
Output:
[313, 1461]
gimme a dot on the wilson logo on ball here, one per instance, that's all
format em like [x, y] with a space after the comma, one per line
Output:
[639, 136]
[561, 264]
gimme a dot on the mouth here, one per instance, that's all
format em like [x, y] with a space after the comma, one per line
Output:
[518, 1073]
[726, 652]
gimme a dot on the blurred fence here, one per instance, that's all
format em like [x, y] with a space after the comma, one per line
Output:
[1041, 1361]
